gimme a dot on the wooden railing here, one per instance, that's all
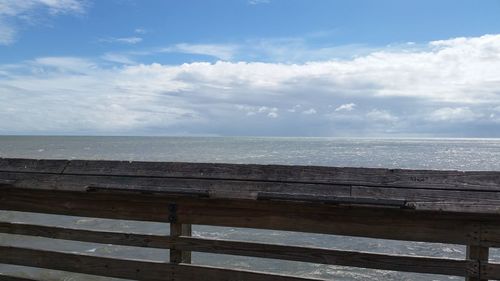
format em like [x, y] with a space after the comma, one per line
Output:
[413, 205]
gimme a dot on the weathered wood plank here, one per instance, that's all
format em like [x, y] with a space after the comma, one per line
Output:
[85, 235]
[345, 200]
[129, 269]
[490, 271]
[353, 221]
[424, 194]
[80, 183]
[462, 206]
[113, 206]
[4, 277]
[359, 176]
[33, 165]
[277, 173]
[7, 183]
[490, 234]
[435, 200]
[424, 199]
[316, 218]
[82, 263]
[184, 272]
[329, 256]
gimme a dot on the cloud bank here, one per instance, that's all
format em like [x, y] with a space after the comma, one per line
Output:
[446, 88]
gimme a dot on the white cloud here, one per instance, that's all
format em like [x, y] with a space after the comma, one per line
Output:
[7, 33]
[140, 31]
[220, 51]
[346, 107]
[276, 50]
[465, 70]
[381, 115]
[458, 114]
[118, 58]
[128, 40]
[16, 12]
[66, 64]
[405, 90]
[272, 115]
[310, 111]
[292, 49]
[18, 7]
[271, 112]
[294, 108]
[58, 99]
[123, 40]
[257, 2]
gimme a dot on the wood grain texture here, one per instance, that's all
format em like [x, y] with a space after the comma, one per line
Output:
[82, 263]
[315, 218]
[85, 235]
[113, 206]
[129, 269]
[13, 278]
[487, 202]
[33, 165]
[278, 173]
[281, 173]
[183, 272]
[155, 185]
[490, 234]
[292, 216]
[445, 191]
[490, 271]
[332, 257]
[353, 221]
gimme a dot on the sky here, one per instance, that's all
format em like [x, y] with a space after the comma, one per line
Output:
[322, 68]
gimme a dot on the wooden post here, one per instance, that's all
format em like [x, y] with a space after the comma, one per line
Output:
[178, 229]
[480, 254]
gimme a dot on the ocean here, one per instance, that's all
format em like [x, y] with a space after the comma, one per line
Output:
[441, 154]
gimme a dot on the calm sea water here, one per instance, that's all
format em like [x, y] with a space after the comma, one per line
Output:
[461, 154]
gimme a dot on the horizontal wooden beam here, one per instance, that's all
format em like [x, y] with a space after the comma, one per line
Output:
[459, 180]
[281, 173]
[293, 253]
[336, 200]
[161, 185]
[105, 205]
[291, 216]
[490, 271]
[184, 272]
[473, 201]
[490, 234]
[85, 235]
[382, 223]
[33, 165]
[81, 263]
[129, 269]
[4, 277]
[329, 256]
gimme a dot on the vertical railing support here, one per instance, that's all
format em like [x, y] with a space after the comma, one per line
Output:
[479, 254]
[178, 229]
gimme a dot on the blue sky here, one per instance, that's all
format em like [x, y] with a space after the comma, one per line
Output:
[250, 67]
